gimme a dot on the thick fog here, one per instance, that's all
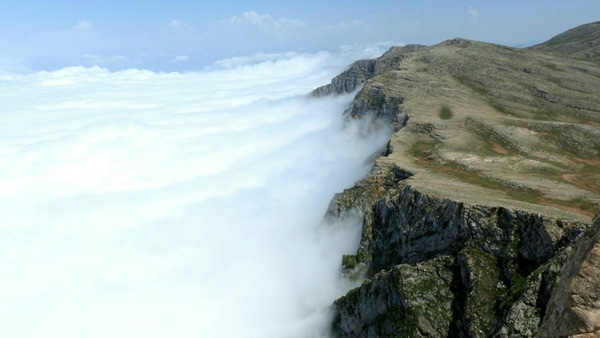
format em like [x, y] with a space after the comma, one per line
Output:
[142, 204]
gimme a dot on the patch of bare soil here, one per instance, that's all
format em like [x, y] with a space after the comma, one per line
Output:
[595, 163]
[587, 182]
[587, 212]
[499, 149]
[594, 123]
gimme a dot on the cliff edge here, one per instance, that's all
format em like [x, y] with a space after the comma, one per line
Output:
[476, 209]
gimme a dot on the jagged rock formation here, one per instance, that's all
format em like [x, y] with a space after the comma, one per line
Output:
[363, 70]
[472, 270]
[482, 197]
[400, 302]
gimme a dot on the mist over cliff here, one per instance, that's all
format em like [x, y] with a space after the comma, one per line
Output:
[142, 204]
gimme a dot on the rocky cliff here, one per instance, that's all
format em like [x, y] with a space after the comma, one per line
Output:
[476, 218]
[438, 268]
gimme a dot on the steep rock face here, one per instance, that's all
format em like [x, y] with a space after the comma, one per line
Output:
[362, 70]
[410, 301]
[411, 227]
[574, 309]
[350, 80]
[502, 262]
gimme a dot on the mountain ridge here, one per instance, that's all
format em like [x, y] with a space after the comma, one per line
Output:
[581, 42]
[490, 144]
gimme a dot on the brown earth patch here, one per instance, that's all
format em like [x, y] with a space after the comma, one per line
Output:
[588, 212]
[595, 163]
[571, 178]
[499, 149]
[594, 123]
[587, 182]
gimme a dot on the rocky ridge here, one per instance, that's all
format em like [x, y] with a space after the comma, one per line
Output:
[483, 195]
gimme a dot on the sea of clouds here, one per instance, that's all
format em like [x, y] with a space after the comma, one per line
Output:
[144, 204]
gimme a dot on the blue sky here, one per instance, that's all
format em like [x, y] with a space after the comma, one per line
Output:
[190, 35]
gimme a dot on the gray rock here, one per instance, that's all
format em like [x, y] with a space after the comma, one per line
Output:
[574, 309]
[405, 301]
[499, 267]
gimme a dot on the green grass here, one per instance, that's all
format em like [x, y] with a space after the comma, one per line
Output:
[525, 195]
[584, 204]
[349, 261]
[485, 295]
[476, 177]
[445, 113]
[472, 176]
[490, 138]
[423, 148]
[573, 38]
[552, 67]
[499, 108]
[476, 87]
[568, 139]
[544, 171]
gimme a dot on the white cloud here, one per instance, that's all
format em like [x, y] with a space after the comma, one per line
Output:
[238, 61]
[180, 58]
[179, 24]
[83, 25]
[354, 24]
[94, 59]
[141, 204]
[254, 18]
[343, 55]
[473, 13]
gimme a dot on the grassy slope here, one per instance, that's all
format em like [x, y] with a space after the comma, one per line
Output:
[579, 42]
[498, 126]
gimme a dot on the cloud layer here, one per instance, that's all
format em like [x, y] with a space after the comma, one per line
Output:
[142, 204]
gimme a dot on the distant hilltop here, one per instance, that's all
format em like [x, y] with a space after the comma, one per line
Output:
[478, 212]
[581, 42]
